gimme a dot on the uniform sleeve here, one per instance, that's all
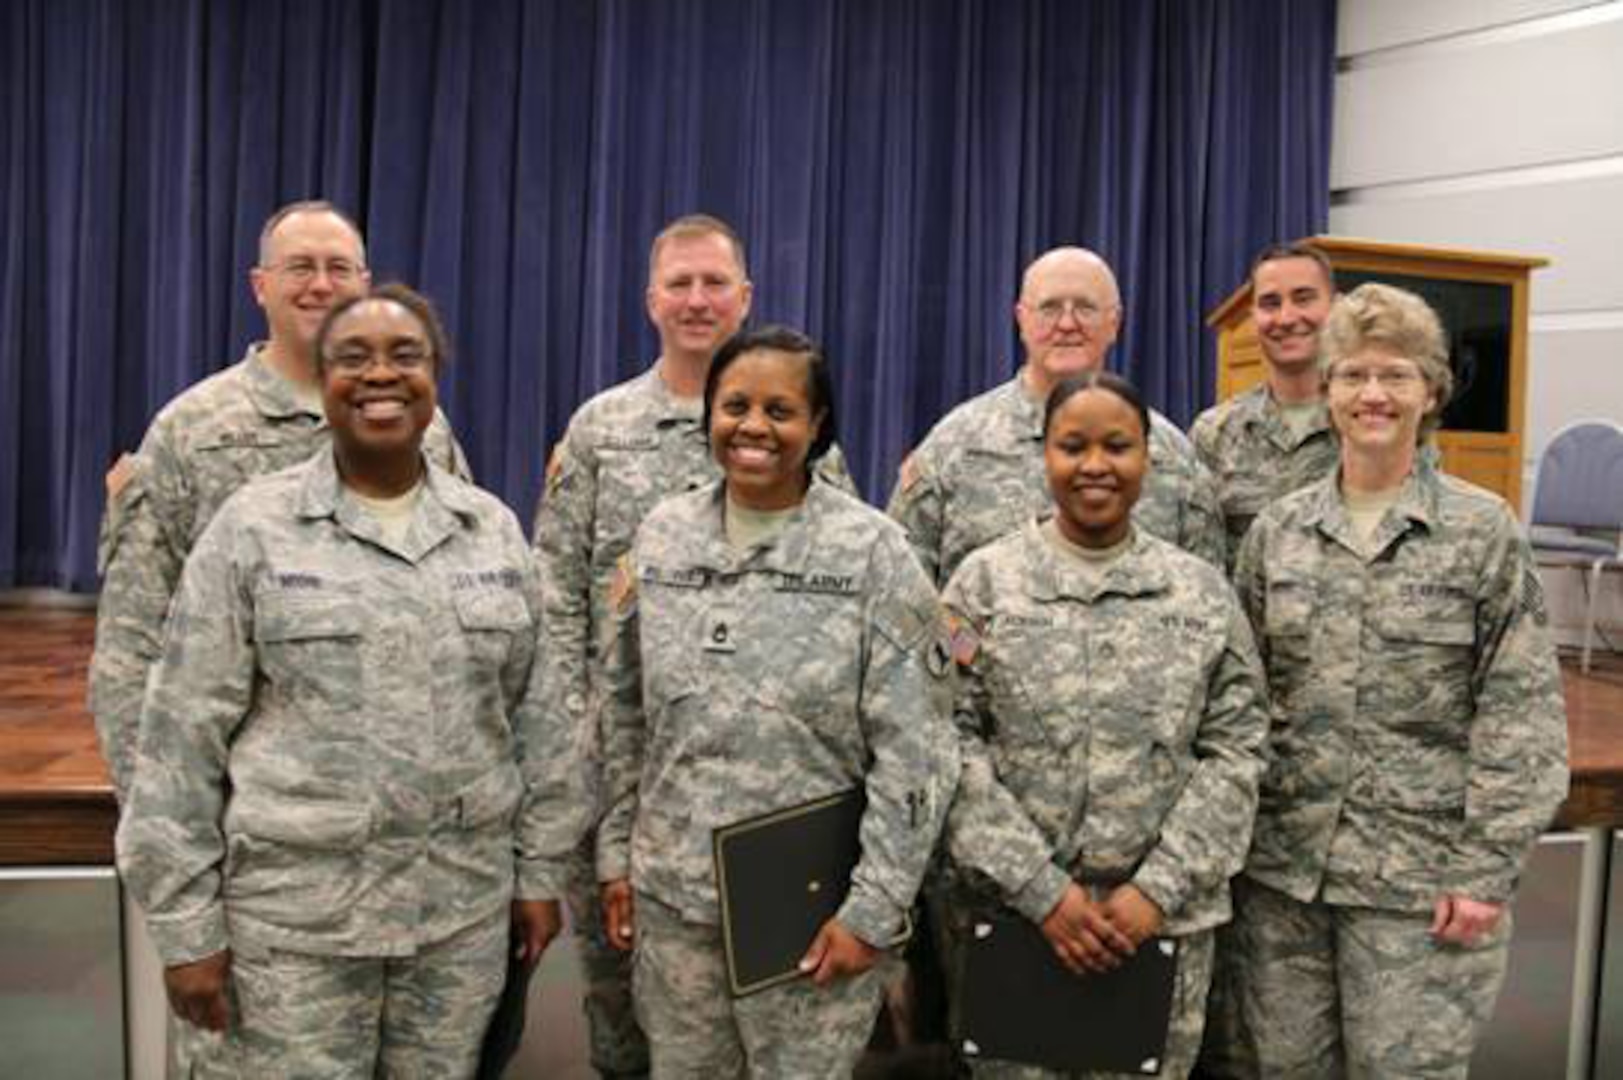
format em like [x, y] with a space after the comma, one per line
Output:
[145, 536]
[552, 751]
[170, 841]
[832, 469]
[987, 828]
[1204, 435]
[622, 725]
[918, 507]
[564, 524]
[1205, 836]
[1518, 742]
[904, 708]
[1201, 531]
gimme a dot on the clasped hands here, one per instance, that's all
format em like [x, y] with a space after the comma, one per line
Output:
[1092, 936]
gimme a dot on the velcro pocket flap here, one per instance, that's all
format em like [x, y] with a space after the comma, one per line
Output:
[300, 618]
[329, 824]
[492, 609]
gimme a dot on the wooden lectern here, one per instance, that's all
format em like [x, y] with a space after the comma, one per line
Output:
[1482, 298]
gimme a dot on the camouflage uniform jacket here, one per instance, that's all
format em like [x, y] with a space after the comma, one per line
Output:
[1111, 730]
[235, 425]
[979, 474]
[739, 683]
[1419, 739]
[625, 450]
[343, 750]
[1254, 457]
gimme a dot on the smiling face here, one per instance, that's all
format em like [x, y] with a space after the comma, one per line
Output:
[761, 426]
[1290, 299]
[1096, 455]
[311, 262]
[377, 380]
[697, 295]
[1378, 398]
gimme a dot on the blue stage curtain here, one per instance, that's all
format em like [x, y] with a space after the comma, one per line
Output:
[892, 165]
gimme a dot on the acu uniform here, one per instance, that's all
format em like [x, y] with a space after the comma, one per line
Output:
[979, 474]
[1112, 731]
[743, 682]
[1418, 747]
[240, 423]
[344, 767]
[1255, 457]
[625, 450]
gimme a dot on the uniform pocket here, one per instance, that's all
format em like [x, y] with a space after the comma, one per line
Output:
[489, 619]
[311, 646]
[295, 860]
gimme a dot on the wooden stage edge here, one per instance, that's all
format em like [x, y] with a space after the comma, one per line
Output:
[57, 807]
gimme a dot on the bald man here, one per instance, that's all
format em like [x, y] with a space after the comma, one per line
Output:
[979, 473]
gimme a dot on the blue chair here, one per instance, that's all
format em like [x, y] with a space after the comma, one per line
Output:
[1577, 520]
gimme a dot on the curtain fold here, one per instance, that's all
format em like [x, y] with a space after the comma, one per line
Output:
[892, 167]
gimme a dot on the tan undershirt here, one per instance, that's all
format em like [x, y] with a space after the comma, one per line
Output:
[1365, 509]
[306, 396]
[1093, 562]
[1299, 416]
[393, 515]
[748, 528]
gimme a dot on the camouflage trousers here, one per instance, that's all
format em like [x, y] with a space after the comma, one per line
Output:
[617, 1046]
[296, 1015]
[1186, 1021]
[698, 1031]
[1322, 991]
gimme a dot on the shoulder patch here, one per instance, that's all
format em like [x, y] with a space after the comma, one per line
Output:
[120, 475]
[909, 473]
[555, 466]
[962, 640]
[623, 588]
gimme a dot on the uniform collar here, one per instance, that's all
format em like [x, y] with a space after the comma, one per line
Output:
[1416, 507]
[668, 408]
[1025, 413]
[1268, 416]
[1139, 570]
[269, 391]
[443, 509]
[789, 551]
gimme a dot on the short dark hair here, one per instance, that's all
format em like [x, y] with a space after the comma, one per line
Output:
[1100, 379]
[1294, 249]
[819, 379]
[305, 206]
[694, 225]
[395, 293]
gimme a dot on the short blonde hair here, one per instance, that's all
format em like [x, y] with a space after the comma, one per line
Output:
[1394, 319]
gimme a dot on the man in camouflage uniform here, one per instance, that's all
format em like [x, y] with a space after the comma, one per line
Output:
[261, 415]
[740, 682]
[1418, 741]
[625, 450]
[1112, 727]
[979, 472]
[328, 801]
[1275, 438]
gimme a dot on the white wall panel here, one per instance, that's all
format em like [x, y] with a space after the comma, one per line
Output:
[1577, 224]
[1363, 25]
[1505, 104]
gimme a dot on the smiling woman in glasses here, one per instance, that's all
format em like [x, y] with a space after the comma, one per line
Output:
[1418, 733]
[348, 800]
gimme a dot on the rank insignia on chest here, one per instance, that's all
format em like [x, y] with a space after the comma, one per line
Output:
[721, 631]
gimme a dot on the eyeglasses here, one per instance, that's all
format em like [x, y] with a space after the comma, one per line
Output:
[302, 271]
[1387, 378]
[354, 359]
[1050, 312]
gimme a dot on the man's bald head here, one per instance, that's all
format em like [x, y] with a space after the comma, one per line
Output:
[1069, 313]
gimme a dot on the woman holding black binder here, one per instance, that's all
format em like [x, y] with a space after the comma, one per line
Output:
[775, 643]
[1111, 725]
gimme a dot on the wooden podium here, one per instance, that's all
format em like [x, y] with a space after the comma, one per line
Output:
[1482, 298]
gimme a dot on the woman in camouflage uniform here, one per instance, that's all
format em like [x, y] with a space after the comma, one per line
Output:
[1110, 718]
[1418, 740]
[775, 641]
[343, 762]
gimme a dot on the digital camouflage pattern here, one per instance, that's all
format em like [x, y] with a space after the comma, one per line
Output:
[1337, 990]
[979, 474]
[739, 683]
[343, 750]
[624, 451]
[1254, 457]
[238, 424]
[1418, 740]
[700, 1032]
[1111, 730]
[416, 1016]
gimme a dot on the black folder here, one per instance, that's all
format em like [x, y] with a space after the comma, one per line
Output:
[781, 876]
[1017, 1002]
[506, 1030]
